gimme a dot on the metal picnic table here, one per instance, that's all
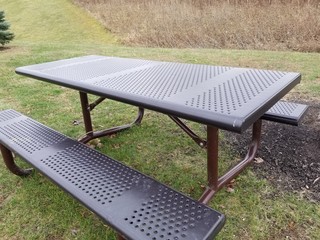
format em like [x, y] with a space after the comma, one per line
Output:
[220, 97]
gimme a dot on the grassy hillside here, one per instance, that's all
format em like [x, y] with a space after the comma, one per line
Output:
[58, 21]
[33, 208]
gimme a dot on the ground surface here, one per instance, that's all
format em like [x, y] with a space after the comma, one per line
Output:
[291, 155]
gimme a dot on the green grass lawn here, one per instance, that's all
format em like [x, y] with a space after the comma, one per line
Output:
[33, 208]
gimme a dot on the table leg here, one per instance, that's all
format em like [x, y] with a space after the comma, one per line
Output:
[86, 113]
[90, 134]
[215, 183]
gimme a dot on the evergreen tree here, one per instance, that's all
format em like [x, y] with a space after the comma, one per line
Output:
[5, 36]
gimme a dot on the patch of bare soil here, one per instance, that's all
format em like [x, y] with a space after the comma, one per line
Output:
[4, 48]
[290, 154]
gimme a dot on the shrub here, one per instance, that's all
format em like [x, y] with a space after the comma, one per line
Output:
[5, 35]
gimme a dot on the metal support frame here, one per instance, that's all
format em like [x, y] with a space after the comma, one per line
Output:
[215, 183]
[201, 142]
[87, 108]
[11, 165]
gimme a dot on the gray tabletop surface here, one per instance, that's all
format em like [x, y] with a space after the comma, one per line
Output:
[230, 98]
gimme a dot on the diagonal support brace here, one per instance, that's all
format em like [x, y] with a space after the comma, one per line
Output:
[201, 142]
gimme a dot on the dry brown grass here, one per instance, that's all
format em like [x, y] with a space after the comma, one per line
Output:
[242, 24]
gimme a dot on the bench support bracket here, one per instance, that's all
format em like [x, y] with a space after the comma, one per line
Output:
[90, 134]
[11, 165]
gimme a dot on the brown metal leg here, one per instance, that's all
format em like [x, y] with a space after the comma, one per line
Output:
[11, 165]
[86, 113]
[215, 183]
[212, 164]
[212, 156]
[90, 134]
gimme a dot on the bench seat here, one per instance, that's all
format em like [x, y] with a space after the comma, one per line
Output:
[135, 205]
[286, 112]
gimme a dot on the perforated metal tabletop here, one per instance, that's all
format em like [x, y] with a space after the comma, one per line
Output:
[225, 97]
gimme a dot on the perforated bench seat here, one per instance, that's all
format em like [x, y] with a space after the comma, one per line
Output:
[135, 205]
[286, 112]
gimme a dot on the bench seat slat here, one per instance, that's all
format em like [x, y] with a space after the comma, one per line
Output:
[286, 112]
[134, 204]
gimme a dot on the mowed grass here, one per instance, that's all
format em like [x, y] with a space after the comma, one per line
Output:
[34, 208]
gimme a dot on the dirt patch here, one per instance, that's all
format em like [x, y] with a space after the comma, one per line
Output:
[291, 155]
[4, 48]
